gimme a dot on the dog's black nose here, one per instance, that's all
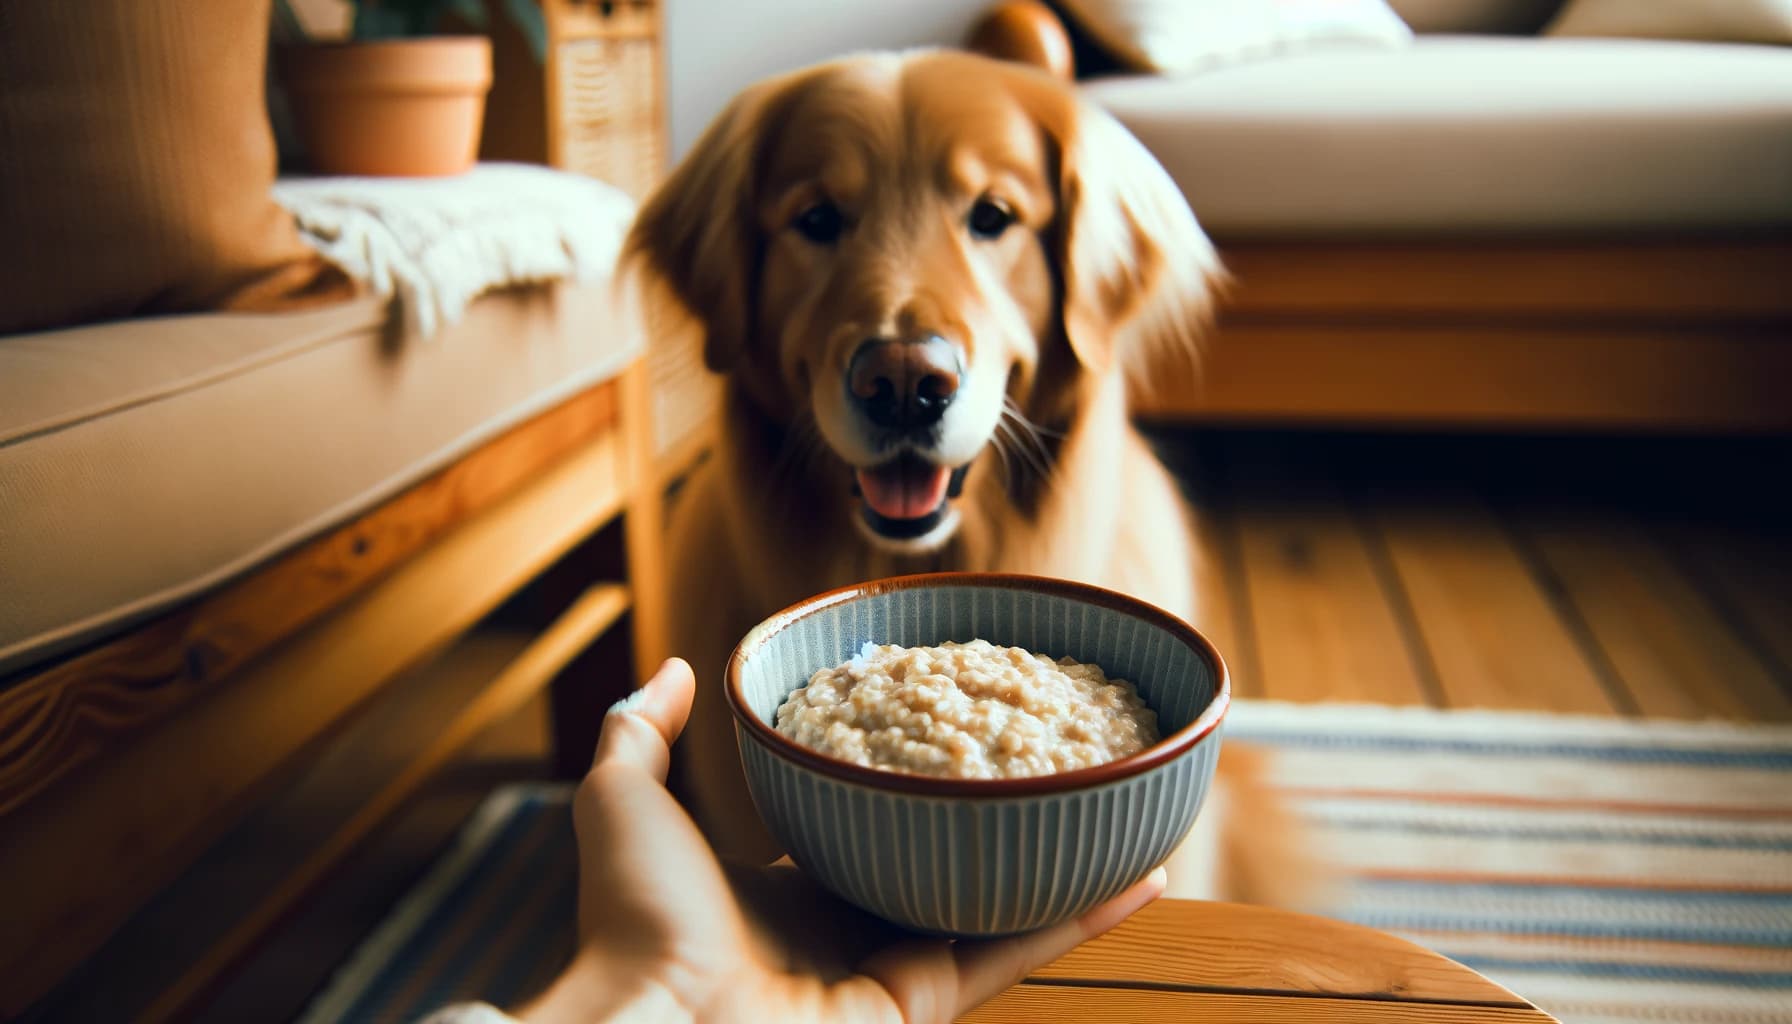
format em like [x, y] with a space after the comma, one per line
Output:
[904, 385]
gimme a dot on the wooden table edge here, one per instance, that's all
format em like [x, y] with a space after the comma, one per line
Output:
[1403, 971]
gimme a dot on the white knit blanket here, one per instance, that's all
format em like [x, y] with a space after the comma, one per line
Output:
[436, 244]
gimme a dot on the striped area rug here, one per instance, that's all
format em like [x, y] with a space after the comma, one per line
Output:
[1609, 871]
[492, 920]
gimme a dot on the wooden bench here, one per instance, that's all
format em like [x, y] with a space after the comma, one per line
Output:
[122, 765]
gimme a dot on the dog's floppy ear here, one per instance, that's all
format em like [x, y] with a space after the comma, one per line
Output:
[696, 238]
[1138, 272]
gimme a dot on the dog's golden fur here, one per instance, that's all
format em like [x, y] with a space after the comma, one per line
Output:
[1103, 269]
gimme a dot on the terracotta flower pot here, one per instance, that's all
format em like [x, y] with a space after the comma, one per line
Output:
[409, 107]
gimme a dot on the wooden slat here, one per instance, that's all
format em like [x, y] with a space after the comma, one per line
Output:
[594, 612]
[1671, 648]
[1222, 611]
[1102, 1005]
[75, 866]
[209, 899]
[1746, 569]
[1221, 614]
[1492, 633]
[1327, 626]
[645, 525]
[55, 720]
[1229, 946]
[1657, 377]
[1681, 278]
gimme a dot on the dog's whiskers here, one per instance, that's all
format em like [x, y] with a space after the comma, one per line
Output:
[1014, 410]
[998, 442]
[1022, 457]
[1027, 441]
[1038, 462]
[1029, 431]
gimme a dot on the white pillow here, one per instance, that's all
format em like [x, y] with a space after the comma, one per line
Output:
[1194, 35]
[1730, 21]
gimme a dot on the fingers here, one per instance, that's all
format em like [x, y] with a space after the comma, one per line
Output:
[939, 981]
[638, 731]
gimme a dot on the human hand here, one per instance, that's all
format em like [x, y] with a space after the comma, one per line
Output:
[668, 933]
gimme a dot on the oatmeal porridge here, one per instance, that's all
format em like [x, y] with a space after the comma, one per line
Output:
[968, 710]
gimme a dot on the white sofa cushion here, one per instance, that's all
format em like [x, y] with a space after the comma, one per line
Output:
[1460, 133]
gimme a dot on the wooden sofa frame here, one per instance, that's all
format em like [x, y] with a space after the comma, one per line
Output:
[121, 764]
[1631, 332]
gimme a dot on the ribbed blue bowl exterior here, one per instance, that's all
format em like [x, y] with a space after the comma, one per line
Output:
[980, 866]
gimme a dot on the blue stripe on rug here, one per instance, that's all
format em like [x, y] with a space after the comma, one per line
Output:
[1766, 938]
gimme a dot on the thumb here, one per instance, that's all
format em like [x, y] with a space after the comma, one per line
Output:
[639, 729]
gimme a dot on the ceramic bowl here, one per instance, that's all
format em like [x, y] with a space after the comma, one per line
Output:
[974, 857]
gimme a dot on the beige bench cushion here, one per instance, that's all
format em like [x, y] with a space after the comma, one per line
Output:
[144, 461]
[1460, 133]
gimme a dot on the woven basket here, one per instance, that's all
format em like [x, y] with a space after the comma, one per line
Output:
[604, 92]
[608, 121]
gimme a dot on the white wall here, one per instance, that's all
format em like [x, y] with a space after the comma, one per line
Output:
[715, 47]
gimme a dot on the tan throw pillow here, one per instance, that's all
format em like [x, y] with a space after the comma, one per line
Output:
[136, 162]
[1724, 21]
[1175, 36]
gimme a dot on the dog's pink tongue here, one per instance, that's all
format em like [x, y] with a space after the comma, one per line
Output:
[904, 489]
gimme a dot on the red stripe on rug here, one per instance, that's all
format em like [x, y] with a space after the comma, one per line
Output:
[1501, 800]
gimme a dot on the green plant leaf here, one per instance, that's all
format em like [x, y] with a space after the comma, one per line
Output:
[527, 16]
[470, 11]
[382, 21]
[400, 19]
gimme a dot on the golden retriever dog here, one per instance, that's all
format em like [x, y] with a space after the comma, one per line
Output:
[926, 278]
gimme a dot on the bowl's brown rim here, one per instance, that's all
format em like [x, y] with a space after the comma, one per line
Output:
[1164, 751]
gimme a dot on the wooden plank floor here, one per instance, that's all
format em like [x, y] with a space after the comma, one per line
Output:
[1635, 577]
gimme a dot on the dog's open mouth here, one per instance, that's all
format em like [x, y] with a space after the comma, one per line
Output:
[906, 497]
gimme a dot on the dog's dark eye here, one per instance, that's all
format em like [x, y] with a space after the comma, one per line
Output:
[990, 218]
[821, 223]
